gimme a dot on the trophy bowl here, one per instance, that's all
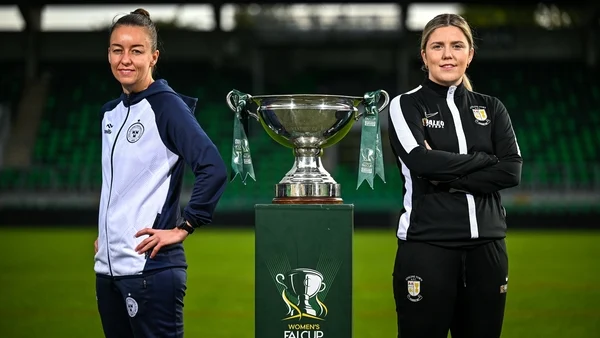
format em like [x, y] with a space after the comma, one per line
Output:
[306, 123]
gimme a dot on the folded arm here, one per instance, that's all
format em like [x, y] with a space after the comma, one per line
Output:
[504, 174]
[408, 142]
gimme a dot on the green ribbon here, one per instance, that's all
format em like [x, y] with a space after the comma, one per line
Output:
[371, 153]
[241, 161]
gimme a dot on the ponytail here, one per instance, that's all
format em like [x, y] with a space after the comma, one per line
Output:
[467, 82]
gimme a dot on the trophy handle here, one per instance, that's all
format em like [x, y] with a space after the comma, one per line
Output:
[233, 106]
[322, 287]
[278, 276]
[386, 101]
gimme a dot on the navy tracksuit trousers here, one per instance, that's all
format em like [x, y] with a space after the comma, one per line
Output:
[145, 306]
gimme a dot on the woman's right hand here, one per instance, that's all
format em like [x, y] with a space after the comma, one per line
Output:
[427, 145]
[429, 148]
[96, 246]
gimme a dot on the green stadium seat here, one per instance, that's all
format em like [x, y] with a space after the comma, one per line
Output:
[556, 126]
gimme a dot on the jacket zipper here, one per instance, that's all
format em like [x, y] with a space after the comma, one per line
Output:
[112, 151]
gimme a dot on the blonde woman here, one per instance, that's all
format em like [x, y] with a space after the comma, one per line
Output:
[456, 150]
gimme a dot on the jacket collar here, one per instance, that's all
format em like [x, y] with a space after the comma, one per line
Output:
[444, 91]
[158, 86]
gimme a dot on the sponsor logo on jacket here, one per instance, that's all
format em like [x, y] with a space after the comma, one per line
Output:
[437, 124]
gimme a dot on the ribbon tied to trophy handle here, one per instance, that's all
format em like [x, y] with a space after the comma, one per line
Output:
[371, 99]
[237, 102]
[241, 160]
[371, 152]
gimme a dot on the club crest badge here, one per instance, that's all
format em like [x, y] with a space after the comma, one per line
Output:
[480, 115]
[132, 306]
[135, 132]
[413, 284]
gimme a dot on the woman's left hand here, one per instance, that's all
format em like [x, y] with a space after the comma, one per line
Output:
[158, 239]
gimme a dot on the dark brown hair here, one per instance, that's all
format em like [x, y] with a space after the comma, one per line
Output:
[141, 18]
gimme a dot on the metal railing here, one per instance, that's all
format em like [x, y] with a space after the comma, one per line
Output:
[535, 177]
[542, 185]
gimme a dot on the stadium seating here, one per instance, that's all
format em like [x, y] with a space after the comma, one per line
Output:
[555, 118]
[555, 115]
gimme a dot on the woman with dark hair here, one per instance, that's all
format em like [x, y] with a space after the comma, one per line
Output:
[149, 135]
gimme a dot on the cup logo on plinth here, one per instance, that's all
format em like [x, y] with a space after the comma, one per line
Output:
[301, 293]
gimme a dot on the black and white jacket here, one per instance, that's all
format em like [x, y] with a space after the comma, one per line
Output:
[451, 193]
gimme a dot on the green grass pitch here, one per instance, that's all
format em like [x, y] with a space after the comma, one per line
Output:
[47, 284]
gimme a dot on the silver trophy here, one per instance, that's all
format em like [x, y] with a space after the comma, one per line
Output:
[307, 123]
[302, 284]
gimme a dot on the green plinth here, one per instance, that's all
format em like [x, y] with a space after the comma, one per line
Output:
[303, 271]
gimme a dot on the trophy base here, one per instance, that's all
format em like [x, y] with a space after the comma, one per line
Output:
[307, 200]
[307, 193]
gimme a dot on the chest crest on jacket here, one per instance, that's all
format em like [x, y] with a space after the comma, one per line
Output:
[135, 132]
[480, 115]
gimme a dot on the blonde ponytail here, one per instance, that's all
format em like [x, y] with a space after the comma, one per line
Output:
[467, 82]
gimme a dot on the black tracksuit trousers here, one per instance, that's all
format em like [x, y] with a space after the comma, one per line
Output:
[439, 289]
